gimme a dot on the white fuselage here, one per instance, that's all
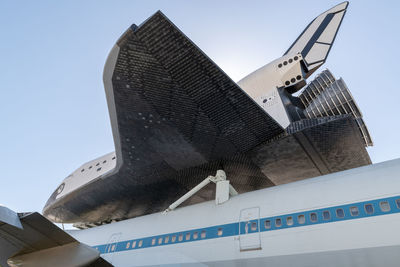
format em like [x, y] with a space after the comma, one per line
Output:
[271, 226]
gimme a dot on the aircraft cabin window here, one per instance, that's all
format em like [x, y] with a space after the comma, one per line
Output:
[187, 236]
[385, 207]
[289, 220]
[340, 213]
[219, 231]
[133, 244]
[128, 245]
[278, 222]
[153, 241]
[140, 243]
[180, 237]
[203, 234]
[354, 211]
[173, 239]
[160, 240]
[113, 247]
[326, 215]
[369, 209]
[313, 217]
[195, 235]
[267, 224]
[398, 203]
[253, 226]
[166, 240]
[301, 219]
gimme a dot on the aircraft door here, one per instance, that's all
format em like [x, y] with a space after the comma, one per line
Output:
[111, 247]
[249, 229]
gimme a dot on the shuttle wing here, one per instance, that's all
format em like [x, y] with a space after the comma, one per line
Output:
[316, 40]
[29, 239]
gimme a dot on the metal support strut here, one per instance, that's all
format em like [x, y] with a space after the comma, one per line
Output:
[222, 193]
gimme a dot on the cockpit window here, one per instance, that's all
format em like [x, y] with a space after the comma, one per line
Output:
[60, 188]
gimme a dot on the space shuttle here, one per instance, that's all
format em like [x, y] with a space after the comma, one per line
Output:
[177, 118]
[270, 170]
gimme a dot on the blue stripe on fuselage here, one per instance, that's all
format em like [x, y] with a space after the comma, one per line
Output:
[232, 229]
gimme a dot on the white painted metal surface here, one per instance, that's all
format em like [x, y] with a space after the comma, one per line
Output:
[250, 219]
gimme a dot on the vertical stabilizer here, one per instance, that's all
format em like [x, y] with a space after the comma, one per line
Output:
[316, 40]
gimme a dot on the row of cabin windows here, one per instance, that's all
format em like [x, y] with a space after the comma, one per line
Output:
[134, 243]
[97, 164]
[301, 219]
[326, 214]
[174, 238]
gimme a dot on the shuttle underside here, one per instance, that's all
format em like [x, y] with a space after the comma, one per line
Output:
[177, 118]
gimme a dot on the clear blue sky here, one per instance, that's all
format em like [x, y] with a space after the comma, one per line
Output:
[53, 110]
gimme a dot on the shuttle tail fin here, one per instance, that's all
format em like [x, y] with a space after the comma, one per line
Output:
[315, 42]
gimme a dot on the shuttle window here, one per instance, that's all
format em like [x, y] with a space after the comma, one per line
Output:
[289, 220]
[180, 237]
[90, 167]
[60, 188]
[166, 240]
[278, 222]
[98, 164]
[113, 158]
[187, 236]
[128, 244]
[133, 244]
[219, 231]
[301, 219]
[195, 235]
[313, 217]
[340, 213]
[203, 234]
[160, 240]
[354, 211]
[326, 215]
[173, 239]
[82, 170]
[369, 209]
[140, 243]
[104, 161]
[267, 224]
[99, 169]
[385, 207]
[253, 226]
[398, 203]
[153, 241]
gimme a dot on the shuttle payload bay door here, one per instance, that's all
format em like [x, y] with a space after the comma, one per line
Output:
[249, 229]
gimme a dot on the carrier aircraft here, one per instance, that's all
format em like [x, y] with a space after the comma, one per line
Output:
[208, 172]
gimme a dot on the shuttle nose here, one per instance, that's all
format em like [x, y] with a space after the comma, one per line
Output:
[50, 208]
